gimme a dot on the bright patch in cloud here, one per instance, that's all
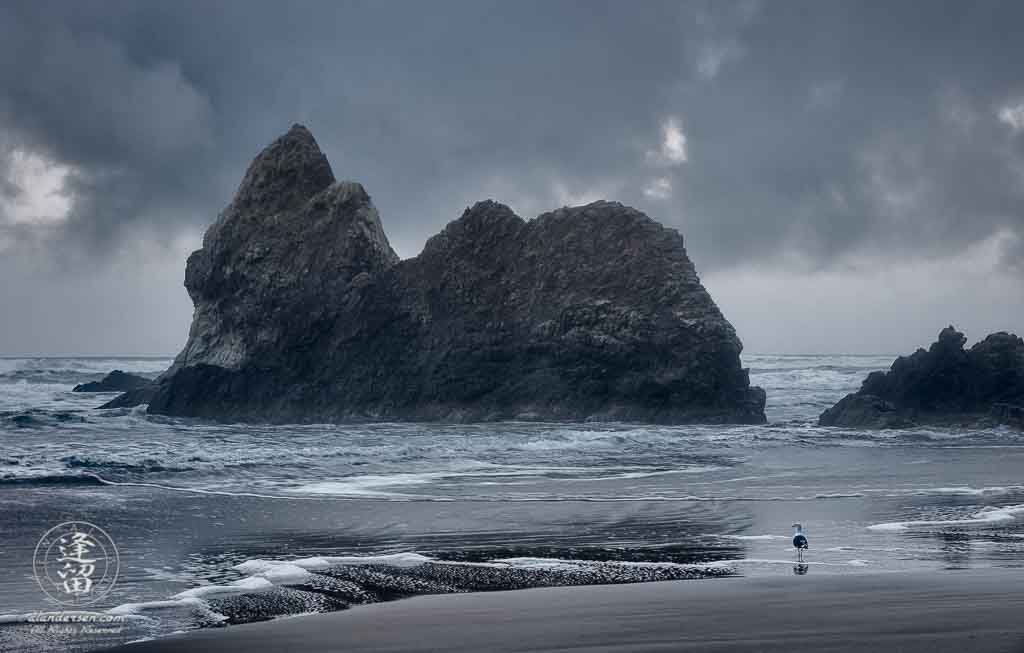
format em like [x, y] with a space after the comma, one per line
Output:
[673, 145]
[659, 189]
[715, 54]
[40, 197]
[1013, 115]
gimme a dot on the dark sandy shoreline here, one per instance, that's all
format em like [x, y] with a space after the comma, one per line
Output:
[949, 611]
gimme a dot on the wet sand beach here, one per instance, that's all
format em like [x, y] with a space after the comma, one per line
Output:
[952, 611]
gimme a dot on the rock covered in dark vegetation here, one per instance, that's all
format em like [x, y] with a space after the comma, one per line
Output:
[944, 385]
[116, 381]
[303, 312]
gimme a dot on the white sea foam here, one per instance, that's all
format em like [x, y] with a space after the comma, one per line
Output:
[969, 491]
[898, 526]
[266, 578]
[695, 469]
[369, 485]
[575, 438]
[374, 487]
[392, 559]
[986, 515]
[753, 537]
[265, 575]
[245, 585]
[135, 608]
[291, 571]
[559, 563]
[281, 570]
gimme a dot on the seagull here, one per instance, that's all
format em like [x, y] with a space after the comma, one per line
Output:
[799, 541]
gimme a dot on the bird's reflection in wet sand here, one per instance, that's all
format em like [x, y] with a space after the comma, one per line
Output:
[801, 569]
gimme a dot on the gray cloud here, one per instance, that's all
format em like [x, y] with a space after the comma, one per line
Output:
[818, 135]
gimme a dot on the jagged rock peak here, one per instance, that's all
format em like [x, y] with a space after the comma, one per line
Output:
[486, 222]
[607, 215]
[488, 209]
[486, 215]
[595, 208]
[950, 340]
[287, 172]
[292, 236]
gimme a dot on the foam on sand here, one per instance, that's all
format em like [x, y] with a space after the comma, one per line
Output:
[400, 569]
[559, 563]
[283, 570]
[195, 598]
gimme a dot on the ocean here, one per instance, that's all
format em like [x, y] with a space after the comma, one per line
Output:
[220, 524]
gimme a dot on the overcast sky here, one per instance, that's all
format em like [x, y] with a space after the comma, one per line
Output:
[849, 177]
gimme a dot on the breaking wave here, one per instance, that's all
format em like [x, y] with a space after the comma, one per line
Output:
[987, 515]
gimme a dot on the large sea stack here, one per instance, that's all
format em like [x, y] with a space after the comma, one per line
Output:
[944, 385]
[304, 313]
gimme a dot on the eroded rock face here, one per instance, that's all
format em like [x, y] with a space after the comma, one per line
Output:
[946, 384]
[304, 313]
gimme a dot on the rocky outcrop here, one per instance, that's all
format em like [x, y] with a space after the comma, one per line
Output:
[116, 381]
[944, 385]
[133, 398]
[304, 313]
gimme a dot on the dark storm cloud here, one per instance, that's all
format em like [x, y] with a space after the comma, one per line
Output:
[823, 136]
[867, 124]
[815, 128]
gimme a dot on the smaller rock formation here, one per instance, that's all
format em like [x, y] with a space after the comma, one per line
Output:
[116, 381]
[945, 385]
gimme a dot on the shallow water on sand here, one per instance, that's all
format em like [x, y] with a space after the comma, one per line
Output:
[223, 523]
